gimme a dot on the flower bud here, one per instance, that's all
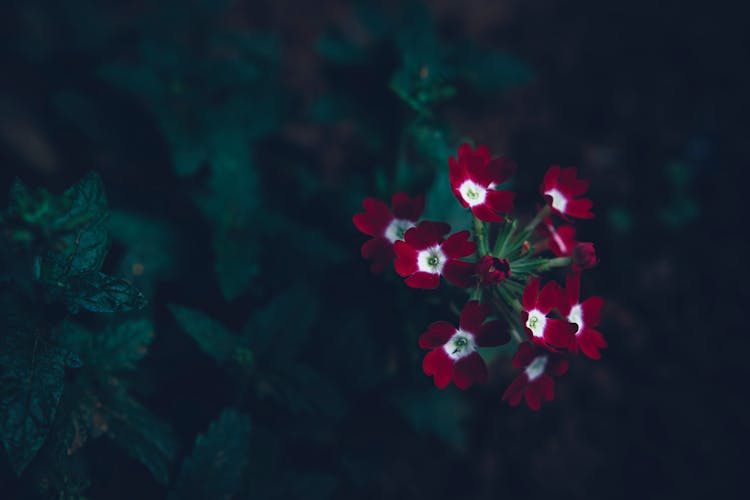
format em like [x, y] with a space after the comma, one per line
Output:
[491, 270]
[584, 255]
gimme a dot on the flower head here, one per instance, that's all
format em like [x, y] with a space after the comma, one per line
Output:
[540, 328]
[490, 270]
[560, 187]
[386, 226]
[474, 176]
[425, 255]
[535, 383]
[454, 355]
[585, 315]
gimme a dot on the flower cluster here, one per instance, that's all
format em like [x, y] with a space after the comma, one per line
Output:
[500, 266]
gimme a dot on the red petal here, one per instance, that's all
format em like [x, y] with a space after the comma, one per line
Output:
[501, 169]
[562, 240]
[514, 392]
[557, 366]
[533, 395]
[500, 200]
[546, 385]
[557, 332]
[437, 363]
[550, 178]
[426, 234]
[580, 209]
[469, 370]
[530, 294]
[424, 280]
[591, 309]
[549, 298]
[436, 335]
[572, 289]
[472, 316]
[590, 341]
[458, 245]
[407, 208]
[524, 355]
[380, 251]
[492, 333]
[406, 259]
[485, 213]
[459, 273]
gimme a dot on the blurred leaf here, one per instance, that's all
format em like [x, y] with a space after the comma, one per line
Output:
[278, 331]
[31, 382]
[212, 337]
[215, 468]
[141, 434]
[438, 412]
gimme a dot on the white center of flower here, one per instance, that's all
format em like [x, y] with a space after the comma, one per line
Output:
[576, 316]
[431, 260]
[536, 367]
[473, 193]
[559, 201]
[397, 229]
[536, 322]
[460, 345]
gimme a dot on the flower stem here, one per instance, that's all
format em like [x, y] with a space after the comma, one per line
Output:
[539, 217]
[556, 262]
[480, 233]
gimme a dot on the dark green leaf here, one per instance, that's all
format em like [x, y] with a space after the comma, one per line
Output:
[97, 292]
[31, 382]
[212, 337]
[141, 434]
[215, 468]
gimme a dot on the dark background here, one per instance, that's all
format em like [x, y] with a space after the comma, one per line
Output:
[648, 99]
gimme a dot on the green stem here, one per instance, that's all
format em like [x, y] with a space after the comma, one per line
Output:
[480, 234]
[504, 238]
[543, 212]
[556, 262]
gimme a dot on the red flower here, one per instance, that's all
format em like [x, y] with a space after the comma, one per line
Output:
[584, 255]
[585, 315]
[474, 177]
[454, 355]
[561, 240]
[490, 270]
[560, 188]
[385, 227]
[424, 256]
[536, 382]
[541, 329]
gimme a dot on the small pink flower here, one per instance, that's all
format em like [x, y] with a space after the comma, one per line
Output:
[425, 255]
[585, 316]
[454, 355]
[541, 329]
[535, 383]
[560, 187]
[386, 227]
[474, 177]
[584, 255]
[490, 270]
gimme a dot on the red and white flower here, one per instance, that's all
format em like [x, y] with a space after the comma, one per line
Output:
[560, 187]
[425, 255]
[454, 353]
[541, 329]
[474, 176]
[386, 226]
[561, 239]
[491, 270]
[585, 315]
[535, 383]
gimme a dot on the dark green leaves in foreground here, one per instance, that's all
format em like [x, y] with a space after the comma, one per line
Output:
[31, 382]
[214, 469]
[67, 237]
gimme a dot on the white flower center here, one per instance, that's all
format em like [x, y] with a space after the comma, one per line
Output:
[472, 193]
[536, 367]
[576, 316]
[431, 260]
[536, 322]
[397, 229]
[559, 201]
[460, 345]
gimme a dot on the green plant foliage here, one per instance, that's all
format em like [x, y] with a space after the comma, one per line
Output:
[211, 336]
[31, 384]
[215, 467]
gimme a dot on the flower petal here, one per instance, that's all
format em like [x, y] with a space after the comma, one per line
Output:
[472, 316]
[557, 332]
[424, 280]
[426, 234]
[492, 333]
[407, 208]
[438, 364]
[485, 213]
[524, 355]
[530, 294]
[437, 334]
[469, 370]
[591, 309]
[458, 245]
[500, 200]
[459, 273]
[380, 251]
[549, 298]
[406, 259]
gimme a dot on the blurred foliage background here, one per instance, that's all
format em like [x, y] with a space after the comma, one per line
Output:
[235, 139]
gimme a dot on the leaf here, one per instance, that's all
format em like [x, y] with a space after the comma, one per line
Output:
[97, 292]
[141, 434]
[440, 413]
[215, 468]
[212, 337]
[279, 330]
[31, 382]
